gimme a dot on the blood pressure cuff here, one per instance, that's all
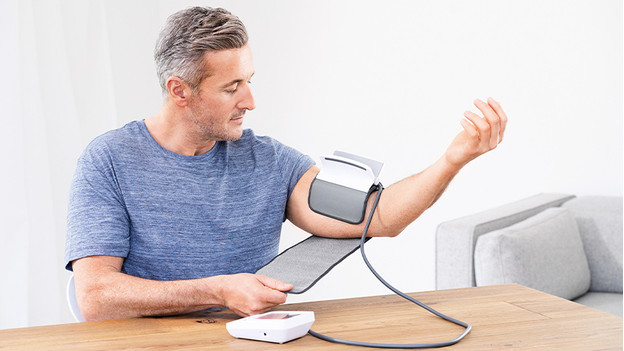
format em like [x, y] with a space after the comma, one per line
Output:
[305, 263]
[338, 202]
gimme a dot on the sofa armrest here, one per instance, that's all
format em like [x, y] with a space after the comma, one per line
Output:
[599, 221]
[456, 239]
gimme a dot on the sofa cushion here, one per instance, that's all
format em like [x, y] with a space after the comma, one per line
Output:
[603, 301]
[599, 219]
[543, 252]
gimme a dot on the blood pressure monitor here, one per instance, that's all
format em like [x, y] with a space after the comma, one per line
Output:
[277, 326]
[341, 191]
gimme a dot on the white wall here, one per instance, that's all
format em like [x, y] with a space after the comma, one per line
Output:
[385, 79]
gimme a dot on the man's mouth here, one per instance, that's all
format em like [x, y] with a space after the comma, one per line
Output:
[238, 115]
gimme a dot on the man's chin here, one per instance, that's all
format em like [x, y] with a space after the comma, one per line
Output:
[234, 134]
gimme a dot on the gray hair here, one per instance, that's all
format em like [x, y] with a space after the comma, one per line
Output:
[188, 35]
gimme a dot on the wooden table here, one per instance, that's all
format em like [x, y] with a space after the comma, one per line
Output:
[503, 317]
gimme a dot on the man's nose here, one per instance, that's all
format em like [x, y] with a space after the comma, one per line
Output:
[247, 102]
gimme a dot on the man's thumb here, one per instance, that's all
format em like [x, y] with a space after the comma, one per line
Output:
[274, 283]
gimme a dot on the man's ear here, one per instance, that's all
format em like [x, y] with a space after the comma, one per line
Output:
[178, 91]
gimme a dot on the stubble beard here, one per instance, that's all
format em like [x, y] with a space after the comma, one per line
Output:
[212, 131]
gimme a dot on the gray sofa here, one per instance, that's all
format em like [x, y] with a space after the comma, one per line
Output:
[564, 245]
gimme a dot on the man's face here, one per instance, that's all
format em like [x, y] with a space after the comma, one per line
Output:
[222, 98]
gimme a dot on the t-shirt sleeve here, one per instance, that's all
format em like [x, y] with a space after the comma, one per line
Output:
[97, 220]
[293, 165]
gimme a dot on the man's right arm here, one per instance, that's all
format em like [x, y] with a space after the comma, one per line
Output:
[104, 292]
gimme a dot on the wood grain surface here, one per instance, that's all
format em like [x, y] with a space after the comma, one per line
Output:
[503, 317]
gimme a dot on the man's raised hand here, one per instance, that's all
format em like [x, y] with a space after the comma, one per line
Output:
[480, 134]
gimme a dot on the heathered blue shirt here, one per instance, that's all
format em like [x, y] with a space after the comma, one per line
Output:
[180, 217]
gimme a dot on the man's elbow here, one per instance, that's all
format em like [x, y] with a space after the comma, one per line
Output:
[90, 313]
[388, 231]
[393, 234]
[92, 305]
[90, 310]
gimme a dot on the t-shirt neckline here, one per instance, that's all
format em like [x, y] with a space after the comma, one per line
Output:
[205, 156]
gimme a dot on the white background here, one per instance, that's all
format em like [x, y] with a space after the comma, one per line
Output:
[389, 80]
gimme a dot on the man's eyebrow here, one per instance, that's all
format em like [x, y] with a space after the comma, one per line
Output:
[235, 81]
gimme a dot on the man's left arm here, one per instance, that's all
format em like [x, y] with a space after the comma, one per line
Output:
[404, 201]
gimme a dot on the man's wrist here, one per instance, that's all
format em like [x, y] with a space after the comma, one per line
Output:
[212, 290]
[447, 168]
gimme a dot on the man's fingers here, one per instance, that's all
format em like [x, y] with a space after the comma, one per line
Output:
[479, 135]
[274, 297]
[469, 128]
[482, 126]
[273, 293]
[501, 114]
[274, 283]
[493, 120]
[249, 294]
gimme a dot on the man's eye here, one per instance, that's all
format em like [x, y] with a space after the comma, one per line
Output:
[231, 91]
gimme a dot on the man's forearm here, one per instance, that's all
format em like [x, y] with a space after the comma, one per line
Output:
[403, 202]
[406, 200]
[103, 292]
[118, 295]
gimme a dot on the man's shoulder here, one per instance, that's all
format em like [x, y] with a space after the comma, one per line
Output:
[250, 136]
[124, 138]
[251, 139]
[268, 148]
[130, 131]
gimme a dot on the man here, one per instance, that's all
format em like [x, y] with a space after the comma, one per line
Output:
[173, 214]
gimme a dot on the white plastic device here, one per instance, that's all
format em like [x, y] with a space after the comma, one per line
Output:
[359, 176]
[276, 326]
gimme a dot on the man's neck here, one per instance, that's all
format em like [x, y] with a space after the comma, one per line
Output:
[172, 131]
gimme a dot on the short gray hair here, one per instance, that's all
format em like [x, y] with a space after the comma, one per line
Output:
[188, 35]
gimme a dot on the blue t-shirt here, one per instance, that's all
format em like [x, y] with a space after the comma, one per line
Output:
[180, 217]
